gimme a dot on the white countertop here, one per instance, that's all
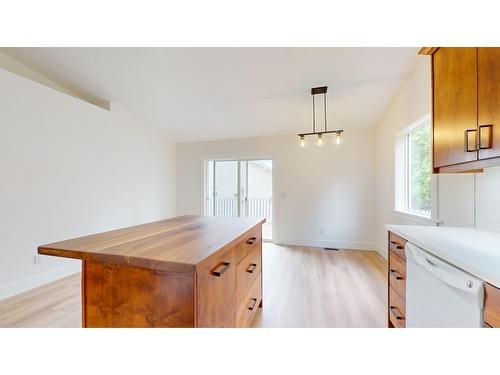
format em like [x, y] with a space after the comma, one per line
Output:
[473, 250]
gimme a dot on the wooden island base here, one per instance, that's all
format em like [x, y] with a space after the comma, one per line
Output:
[188, 271]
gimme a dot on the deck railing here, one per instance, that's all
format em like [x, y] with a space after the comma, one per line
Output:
[253, 207]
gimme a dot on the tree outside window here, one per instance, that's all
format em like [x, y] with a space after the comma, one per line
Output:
[413, 172]
[419, 194]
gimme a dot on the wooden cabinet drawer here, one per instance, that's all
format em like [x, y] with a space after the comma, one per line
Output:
[250, 239]
[216, 293]
[397, 309]
[248, 270]
[397, 274]
[249, 304]
[397, 244]
[492, 305]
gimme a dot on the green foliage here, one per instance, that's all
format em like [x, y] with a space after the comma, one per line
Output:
[420, 169]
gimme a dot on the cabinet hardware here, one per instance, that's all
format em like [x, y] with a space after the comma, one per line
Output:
[485, 136]
[395, 310]
[253, 302]
[251, 268]
[395, 273]
[252, 240]
[471, 142]
[220, 269]
[398, 246]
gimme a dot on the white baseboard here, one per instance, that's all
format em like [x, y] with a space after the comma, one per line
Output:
[382, 250]
[24, 285]
[354, 245]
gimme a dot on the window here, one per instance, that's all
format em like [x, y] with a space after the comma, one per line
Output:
[414, 169]
[240, 188]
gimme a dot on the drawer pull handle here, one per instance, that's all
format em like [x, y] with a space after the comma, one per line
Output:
[251, 268]
[395, 273]
[253, 302]
[220, 269]
[471, 144]
[395, 312]
[485, 137]
[398, 246]
[252, 240]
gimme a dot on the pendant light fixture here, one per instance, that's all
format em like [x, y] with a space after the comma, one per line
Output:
[319, 134]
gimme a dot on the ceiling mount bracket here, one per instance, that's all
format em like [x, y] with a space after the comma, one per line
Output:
[319, 90]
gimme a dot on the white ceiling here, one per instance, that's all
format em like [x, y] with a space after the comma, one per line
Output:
[220, 93]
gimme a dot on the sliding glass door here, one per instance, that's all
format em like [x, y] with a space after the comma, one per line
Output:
[240, 188]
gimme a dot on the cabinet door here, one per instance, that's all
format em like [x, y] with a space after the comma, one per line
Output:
[216, 293]
[488, 89]
[454, 105]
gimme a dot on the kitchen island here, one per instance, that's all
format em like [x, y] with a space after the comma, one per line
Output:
[187, 271]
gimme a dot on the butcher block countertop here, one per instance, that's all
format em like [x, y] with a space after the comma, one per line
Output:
[181, 244]
[473, 250]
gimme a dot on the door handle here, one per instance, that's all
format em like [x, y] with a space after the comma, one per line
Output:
[470, 143]
[220, 269]
[485, 138]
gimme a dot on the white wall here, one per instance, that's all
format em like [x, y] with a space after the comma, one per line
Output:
[69, 168]
[488, 200]
[455, 191]
[324, 196]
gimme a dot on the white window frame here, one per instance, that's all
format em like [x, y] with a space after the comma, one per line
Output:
[401, 177]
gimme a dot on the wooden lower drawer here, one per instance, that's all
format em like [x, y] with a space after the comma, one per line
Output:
[249, 304]
[492, 305]
[250, 239]
[397, 309]
[216, 293]
[397, 244]
[248, 270]
[397, 274]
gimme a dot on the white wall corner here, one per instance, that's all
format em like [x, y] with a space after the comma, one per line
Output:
[382, 250]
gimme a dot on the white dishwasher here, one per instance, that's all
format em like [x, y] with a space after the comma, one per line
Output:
[439, 294]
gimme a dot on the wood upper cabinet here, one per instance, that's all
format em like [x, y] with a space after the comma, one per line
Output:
[488, 76]
[454, 105]
[466, 111]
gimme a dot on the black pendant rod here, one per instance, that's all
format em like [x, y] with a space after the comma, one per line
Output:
[327, 132]
[314, 117]
[324, 99]
[317, 91]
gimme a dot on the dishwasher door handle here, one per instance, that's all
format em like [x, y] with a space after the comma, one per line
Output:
[446, 273]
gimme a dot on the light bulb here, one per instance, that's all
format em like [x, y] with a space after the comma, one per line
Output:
[339, 139]
[302, 141]
[320, 140]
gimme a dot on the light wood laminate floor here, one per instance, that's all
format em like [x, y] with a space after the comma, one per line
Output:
[303, 287]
